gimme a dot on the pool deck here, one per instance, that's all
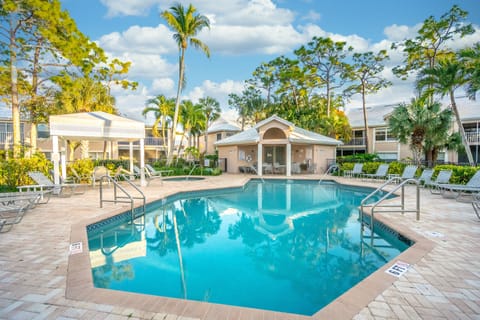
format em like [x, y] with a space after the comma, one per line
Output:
[40, 280]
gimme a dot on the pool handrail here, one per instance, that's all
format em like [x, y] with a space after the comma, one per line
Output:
[122, 199]
[386, 196]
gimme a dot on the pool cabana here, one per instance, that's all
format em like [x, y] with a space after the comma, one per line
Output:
[277, 146]
[95, 126]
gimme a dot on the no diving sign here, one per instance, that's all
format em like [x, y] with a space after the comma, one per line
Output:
[398, 269]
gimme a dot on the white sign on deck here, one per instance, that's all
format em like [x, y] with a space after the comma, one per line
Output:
[76, 247]
[398, 269]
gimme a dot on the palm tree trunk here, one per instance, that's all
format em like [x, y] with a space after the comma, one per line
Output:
[461, 129]
[177, 106]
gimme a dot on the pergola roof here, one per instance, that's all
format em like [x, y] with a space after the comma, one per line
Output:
[96, 126]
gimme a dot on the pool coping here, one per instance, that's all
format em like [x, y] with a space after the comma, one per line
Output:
[79, 282]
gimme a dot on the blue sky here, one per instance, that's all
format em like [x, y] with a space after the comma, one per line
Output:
[245, 33]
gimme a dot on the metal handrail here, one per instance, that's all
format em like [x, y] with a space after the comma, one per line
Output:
[126, 198]
[384, 197]
[191, 171]
[329, 170]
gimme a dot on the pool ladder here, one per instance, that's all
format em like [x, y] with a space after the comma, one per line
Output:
[330, 170]
[374, 207]
[121, 195]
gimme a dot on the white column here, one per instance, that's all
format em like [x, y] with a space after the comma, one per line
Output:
[56, 160]
[289, 159]
[260, 159]
[130, 155]
[63, 162]
[143, 182]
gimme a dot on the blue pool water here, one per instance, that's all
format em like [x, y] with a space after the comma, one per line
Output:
[288, 246]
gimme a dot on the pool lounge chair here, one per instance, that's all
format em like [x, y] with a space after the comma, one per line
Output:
[381, 172]
[476, 204]
[355, 172]
[99, 172]
[155, 172]
[425, 176]
[11, 214]
[13, 198]
[442, 178]
[43, 184]
[148, 176]
[408, 172]
[459, 190]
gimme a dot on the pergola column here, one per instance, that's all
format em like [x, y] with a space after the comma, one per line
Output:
[260, 159]
[143, 182]
[56, 160]
[289, 159]
[130, 155]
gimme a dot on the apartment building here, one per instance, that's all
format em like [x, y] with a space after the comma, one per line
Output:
[386, 146]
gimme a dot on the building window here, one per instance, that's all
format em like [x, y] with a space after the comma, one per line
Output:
[384, 134]
[43, 131]
[6, 133]
[219, 136]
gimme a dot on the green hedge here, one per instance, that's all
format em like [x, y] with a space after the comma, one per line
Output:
[14, 172]
[460, 174]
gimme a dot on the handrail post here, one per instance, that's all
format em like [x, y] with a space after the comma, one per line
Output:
[418, 202]
[403, 198]
[101, 194]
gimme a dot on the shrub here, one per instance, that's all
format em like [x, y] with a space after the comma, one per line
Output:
[460, 174]
[14, 172]
[359, 157]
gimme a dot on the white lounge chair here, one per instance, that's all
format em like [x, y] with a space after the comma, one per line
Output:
[44, 184]
[155, 172]
[99, 172]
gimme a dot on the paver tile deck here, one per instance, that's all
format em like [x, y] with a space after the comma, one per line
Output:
[38, 278]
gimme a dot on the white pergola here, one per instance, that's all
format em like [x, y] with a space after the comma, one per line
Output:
[95, 126]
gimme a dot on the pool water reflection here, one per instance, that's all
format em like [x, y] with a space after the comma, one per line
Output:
[289, 246]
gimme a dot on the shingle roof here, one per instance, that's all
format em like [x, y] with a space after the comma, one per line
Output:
[222, 125]
[469, 110]
[297, 135]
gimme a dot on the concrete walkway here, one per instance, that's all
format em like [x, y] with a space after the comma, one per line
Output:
[444, 283]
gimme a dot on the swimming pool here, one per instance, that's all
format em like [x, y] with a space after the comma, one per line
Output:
[284, 245]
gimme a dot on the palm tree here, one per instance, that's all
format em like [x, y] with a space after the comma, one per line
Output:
[186, 25]
[193, 116]
[163, 109]
[424, 126]
[470, 58]
[447, 76]
[211, 109]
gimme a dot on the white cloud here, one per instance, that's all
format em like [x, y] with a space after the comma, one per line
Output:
[152, 40]
[165, 86]
[127, 7]
[219, 91]
[400, 33]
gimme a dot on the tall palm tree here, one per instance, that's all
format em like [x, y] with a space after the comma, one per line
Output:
[446, 77]
[163, 109]
[470, 58]
[211, 109]
[186, 24]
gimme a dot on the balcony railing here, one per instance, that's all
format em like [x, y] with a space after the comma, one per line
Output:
[149, 141]
[355, 142]
[473, 137]
[7, 138]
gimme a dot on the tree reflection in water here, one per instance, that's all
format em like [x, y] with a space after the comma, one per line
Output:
[301, 240]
